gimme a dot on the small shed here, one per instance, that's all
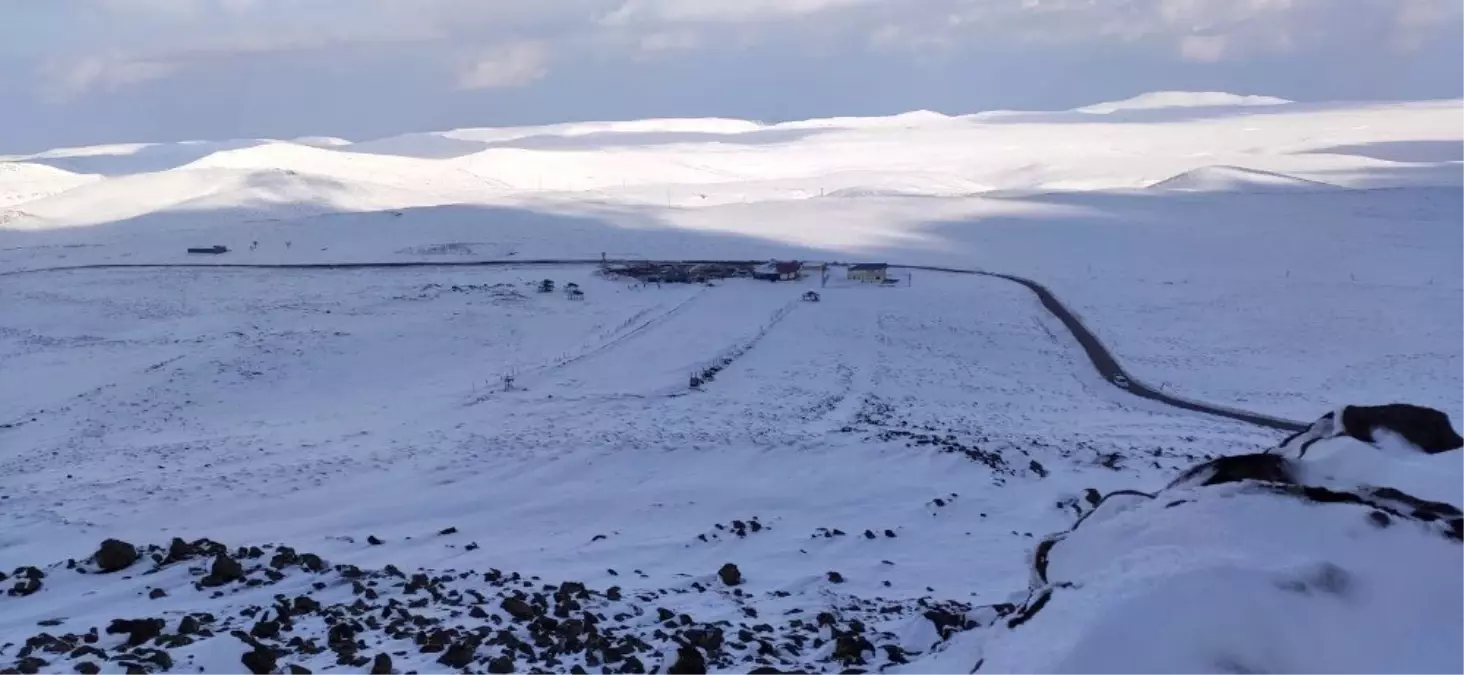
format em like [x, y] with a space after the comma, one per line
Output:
[874, 272]
[789, 270]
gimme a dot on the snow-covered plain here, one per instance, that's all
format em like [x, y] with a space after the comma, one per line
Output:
[1285, 258]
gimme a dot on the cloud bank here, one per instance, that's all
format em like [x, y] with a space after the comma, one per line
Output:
[79, 71]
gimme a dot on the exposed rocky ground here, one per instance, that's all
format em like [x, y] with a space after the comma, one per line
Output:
[292, 611]
[271, 608]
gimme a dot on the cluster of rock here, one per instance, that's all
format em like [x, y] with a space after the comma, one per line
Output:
[389, 620]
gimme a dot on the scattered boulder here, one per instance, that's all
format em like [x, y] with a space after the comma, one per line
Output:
[138, 631]
[689, 661]
[115, 555]
[459, 655]
[260, 660]
[518, 609]
[730, 575]
[381, 665]
[224, 570]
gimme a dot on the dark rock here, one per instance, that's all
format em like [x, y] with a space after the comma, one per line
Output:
[518, 609]
[381, 665]
[948, 622]
[188, 625]
[224, 570]
[447, 531]
[266, 629]
[180, 550]
[115, 555]
[296, 669]
[1426, 428]
[849, 649]
[835, 577]
[87, 668]
[1260, 466]
[1379, 519]
[765, 670]
[260, 660]
[157, 657]
[25, 586]
[156, 593]
[889, 533]
[502, 664]
[689, 661]
[30, 665]
[138, 631]
[459, 655]
[373, 540]
[305, 604]
[87, 650]
[730, 575]
[312, 562]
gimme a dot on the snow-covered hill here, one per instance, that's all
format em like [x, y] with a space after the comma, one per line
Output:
[1182, 99]
[1237, 179]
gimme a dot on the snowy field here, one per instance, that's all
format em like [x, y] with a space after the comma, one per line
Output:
[1282, 258]
[1313, 230]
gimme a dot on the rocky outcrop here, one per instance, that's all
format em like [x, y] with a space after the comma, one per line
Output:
[1304, 557]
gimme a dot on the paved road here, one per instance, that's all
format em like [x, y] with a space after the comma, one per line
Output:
[1108, 366]
[1102, 359]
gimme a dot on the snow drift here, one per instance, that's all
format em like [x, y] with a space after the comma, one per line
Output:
[1305, 558]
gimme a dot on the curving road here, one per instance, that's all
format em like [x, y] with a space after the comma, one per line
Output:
[1099, 355]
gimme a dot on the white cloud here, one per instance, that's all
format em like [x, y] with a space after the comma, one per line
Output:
[142, 40]
[682, 11]
[513, 65]
[66, 80]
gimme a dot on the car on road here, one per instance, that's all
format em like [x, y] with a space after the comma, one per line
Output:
[1121, 380]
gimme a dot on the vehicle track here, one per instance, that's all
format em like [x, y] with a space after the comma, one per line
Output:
[1098, 354]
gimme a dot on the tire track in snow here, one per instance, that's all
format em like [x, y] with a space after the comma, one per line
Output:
[613, 342]
[1098, 354]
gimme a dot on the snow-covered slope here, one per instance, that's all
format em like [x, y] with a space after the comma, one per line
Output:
[1237, 179]
[1341, 559]
[877, 466]
[1182, 99]
[22, 182]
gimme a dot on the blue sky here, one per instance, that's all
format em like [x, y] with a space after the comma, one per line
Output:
[78, 72]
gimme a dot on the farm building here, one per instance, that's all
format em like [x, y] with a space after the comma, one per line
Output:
[876, 272]
[789, 270]
[674, 272]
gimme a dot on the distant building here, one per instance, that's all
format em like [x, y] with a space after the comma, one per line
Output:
[875, 272]
[788, 271]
